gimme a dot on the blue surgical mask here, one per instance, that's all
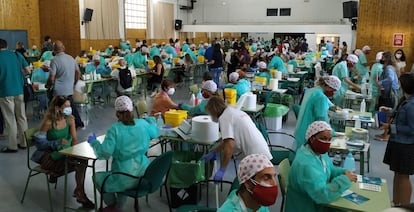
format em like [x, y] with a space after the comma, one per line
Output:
[67, 111]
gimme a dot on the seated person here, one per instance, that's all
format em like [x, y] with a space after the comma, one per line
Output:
[242, 86]
[34, 52]
[57, 131]
[292, 61]
[39, 79]
[126, 141]
[47, 55]
[264, 72]
[208, 89]
[156, 75]
[162, 101]
[124, 79]
[313, 179]
[109, 50]
[98, 67]
[258, 188]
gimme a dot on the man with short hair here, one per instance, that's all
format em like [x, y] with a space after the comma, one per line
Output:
[11, 96]
[258, 188]
[64, 71]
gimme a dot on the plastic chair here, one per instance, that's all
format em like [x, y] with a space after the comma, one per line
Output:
[284, 168]
[279, 152]
[88, 100]
[150, 182]
[34, 170]
[296, 109]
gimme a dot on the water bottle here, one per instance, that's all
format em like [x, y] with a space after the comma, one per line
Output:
[192, 100]
[160, 121]
[362, 109]
[363, 89]
[349, 163]
[199, 97]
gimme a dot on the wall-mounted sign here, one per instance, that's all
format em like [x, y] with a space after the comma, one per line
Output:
[398, 40]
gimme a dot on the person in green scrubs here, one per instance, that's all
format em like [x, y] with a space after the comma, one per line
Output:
[127, 142]
[258, 188]
[313, 179]
[315, 105]
[376, 72]
[341, 71]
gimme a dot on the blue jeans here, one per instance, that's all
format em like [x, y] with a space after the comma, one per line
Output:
[216, 72]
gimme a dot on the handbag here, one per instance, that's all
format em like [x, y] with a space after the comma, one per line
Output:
[28, 90]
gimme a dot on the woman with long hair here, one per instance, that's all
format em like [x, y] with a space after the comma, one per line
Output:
[57, 132]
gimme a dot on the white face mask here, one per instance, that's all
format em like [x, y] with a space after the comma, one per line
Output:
[398, 56]
[171, 91]
[67, 111]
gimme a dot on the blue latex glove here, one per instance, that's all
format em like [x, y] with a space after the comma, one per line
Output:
[92, 138]
[209, 156]
[180, 105]
[219, 174]
[151, 120]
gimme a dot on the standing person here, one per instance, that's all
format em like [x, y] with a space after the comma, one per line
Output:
[341, 71]
[362, 65]
[216, 63]
[240, 136]
[11, 97]
[313, 179]
[57, 131]
[400, 147]
[126, 142]
[400, 61]
[155, 75]
[47, 44]
[258, 187]
[376, 72]
[20, 48]
[64, 71]
[389, 88]
[315, 105]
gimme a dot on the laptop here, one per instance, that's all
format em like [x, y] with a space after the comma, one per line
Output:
[184, 130]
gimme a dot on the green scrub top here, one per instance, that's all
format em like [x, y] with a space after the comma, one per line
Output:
[314, 181]
[199, 109]
[314, 107]
[362, 68]
[277, 63]
[233, 204]
[341, 71]
[127, 146]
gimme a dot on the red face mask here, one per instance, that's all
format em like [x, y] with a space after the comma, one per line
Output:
[205, 95]
[263, 193]
[319, 146]
[350, 65]
[329, 93]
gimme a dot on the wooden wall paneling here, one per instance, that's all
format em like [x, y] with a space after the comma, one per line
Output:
[99, 44]
[378, 21]
[61, 22]
[132, 34]
[22, 15]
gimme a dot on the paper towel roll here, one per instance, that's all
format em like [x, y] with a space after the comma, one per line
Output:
[274, 84]
[279, 75]
[204, 130]
[290, 68]
[359, 134]
[250, 102]
[240, 102]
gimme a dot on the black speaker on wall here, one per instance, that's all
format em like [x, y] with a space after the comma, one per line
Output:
[178, 24]
[350, 9]
[87, 16]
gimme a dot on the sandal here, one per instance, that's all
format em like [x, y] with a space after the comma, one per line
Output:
[83, 199]
[7, 150]
[381, 138]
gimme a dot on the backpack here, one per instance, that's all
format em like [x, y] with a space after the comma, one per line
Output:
[125, 78]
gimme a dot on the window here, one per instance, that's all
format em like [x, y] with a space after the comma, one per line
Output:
[284, 11]
[136, 14]
[272, 12]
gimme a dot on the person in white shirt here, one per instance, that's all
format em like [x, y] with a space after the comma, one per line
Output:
[240, 136]
[115, 74]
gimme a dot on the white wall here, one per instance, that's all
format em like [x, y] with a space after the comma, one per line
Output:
[254, 11]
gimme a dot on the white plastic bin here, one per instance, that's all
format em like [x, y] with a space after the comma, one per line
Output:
[273, 123]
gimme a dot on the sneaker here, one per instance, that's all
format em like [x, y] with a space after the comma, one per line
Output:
[153, 94]
[381, 137]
